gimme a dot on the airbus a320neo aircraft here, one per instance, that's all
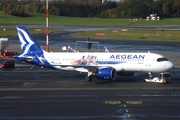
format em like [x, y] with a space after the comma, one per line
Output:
[105, 65]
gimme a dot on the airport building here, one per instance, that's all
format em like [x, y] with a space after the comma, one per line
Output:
[153, 17]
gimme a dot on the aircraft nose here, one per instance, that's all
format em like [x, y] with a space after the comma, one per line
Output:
[171, 65]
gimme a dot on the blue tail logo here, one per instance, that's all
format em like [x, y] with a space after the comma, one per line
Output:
[28, 44]
[31, 51]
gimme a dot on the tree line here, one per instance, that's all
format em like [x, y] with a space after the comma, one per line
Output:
[95, 8]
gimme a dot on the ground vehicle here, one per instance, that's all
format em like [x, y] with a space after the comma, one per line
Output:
[5, 54]
[162, 78]
[6, 64]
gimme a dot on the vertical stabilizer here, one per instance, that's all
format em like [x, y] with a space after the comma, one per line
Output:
[28, 44]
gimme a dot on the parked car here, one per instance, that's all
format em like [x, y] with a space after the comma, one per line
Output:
[7, 64]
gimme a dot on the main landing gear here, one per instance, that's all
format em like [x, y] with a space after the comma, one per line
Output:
[88, 78]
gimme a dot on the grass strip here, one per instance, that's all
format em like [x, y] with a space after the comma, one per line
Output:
[132, 34]
[39, 18]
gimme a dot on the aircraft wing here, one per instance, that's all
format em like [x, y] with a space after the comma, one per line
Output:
[91, 68]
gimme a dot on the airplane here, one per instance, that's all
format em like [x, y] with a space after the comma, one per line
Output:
[103, 65]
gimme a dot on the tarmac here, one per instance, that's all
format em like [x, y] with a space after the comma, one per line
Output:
[37, 93]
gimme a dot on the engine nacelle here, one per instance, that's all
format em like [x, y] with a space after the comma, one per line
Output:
[125, 73]
[106, 73]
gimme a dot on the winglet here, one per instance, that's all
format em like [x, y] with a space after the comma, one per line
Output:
[106, 50]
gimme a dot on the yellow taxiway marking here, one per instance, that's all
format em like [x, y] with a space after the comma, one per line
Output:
[113, 102]
[134, 102]
[124, 105]
[129, 116]
[127, 110]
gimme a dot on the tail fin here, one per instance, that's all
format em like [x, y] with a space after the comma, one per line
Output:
[28, 44]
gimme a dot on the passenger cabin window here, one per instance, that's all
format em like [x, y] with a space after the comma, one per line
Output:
[162, 59]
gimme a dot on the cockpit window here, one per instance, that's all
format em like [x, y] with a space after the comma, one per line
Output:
[162, 59]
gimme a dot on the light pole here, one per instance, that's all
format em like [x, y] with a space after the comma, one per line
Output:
[47, 29]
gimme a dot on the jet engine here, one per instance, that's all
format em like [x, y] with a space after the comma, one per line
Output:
[106, 73]
[125, 73]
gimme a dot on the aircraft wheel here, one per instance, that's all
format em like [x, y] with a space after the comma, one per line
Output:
[88, 78]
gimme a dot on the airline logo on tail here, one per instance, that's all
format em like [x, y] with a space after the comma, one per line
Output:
[28, 44]
[31, 51]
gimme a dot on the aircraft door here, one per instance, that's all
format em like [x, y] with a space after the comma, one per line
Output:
[148, 60]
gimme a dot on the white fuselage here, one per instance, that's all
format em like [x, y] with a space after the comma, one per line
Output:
[136, 62]
[104, 66]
